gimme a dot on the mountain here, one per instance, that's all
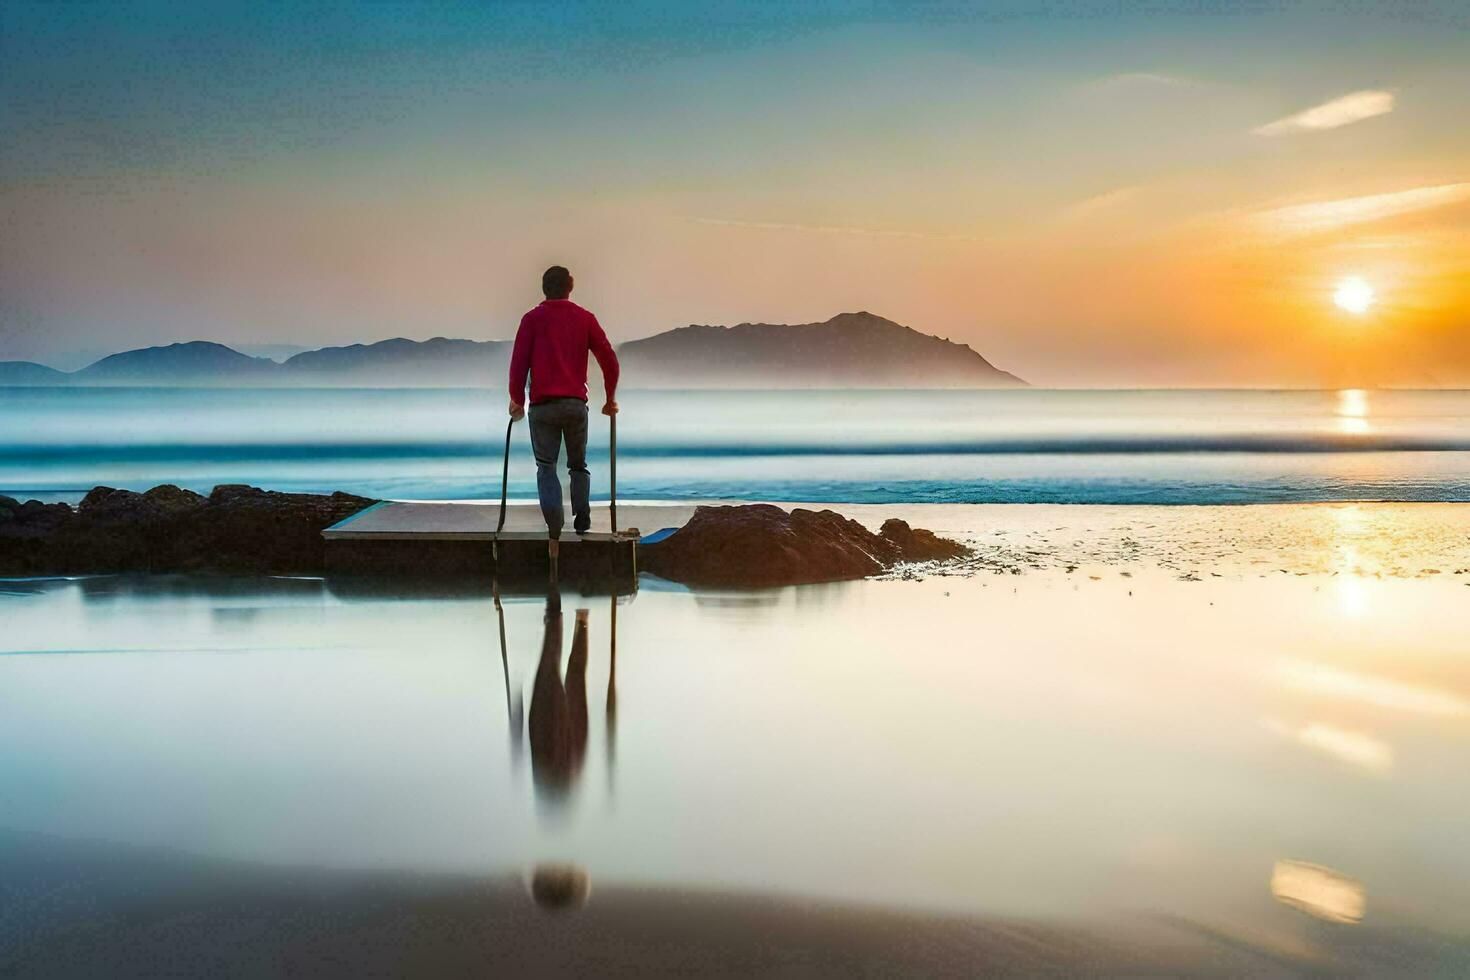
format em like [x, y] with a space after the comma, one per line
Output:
[273, 352]
[198, 362]
[25, 373]
[439, 362]
[851, 350]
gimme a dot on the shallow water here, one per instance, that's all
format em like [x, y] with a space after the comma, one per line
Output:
[1043, 744]
[1029, 446]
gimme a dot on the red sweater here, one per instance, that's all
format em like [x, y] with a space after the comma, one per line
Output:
[552, 345]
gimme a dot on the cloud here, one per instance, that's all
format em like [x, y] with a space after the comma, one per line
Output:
[1100, 202]
[1343, 111]
[1136, 79]
[1319, 216]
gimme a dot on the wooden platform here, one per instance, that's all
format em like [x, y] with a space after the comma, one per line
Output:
[433, 521]
[413, 539]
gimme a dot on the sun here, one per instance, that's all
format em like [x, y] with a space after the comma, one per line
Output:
[1354, 295]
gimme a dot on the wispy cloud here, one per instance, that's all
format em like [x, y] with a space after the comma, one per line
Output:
[1319, 216]
[1342, 111]
[1100, 202]
[1136, 79]
[835, 229]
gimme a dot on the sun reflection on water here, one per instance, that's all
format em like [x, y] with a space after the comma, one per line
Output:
[1334, 682]
[1319, 891]
[1352, 412]
[1352, 591]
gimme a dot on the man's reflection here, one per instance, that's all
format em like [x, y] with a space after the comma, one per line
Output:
[558, 717]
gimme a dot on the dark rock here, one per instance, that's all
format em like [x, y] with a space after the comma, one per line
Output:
[33, 518]
[168, 497]
[123, 506]
[917, 544]
[168, 529]
[760, 545]
[25, 536]
[246, 529]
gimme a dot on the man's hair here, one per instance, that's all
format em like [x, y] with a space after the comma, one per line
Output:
[556, 282]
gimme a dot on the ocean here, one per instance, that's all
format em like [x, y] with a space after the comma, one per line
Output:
[1247, 722]
[1010, 446]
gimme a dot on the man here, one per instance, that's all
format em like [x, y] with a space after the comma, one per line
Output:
[552, 345]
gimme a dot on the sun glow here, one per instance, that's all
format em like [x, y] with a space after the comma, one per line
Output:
[1354, 295]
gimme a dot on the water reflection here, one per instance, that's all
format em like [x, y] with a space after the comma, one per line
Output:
[558, 717]
[1381, 692]
[1352, 412]
[372, 737]
[556, 725]
[559, 887]
[1347, 564]
[610, 711]
[1318, 891]
[515, 710]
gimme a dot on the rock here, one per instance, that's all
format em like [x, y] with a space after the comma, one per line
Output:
[760, 545]
[35, 519]
[26, 534]
[169, 529]
[916, 544]
[246, 529]
[104, 499]
[168, 497]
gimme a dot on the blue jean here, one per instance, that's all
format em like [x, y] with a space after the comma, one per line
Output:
[552, 422]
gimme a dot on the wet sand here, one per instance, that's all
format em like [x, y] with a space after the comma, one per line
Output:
[1373, 540]
[86, 909]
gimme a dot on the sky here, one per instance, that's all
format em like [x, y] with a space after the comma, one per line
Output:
[1088, 194]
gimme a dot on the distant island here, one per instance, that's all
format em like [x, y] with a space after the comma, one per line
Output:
[851, 350]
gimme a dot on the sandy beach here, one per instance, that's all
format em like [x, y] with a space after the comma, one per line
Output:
[90, 909]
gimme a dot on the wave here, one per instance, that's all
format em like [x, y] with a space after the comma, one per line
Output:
[1304, 488]
[1063, 446]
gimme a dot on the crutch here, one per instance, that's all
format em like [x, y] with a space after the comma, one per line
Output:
[612, 470]
[504, 482]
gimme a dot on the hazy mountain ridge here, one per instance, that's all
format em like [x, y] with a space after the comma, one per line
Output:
[849, 350]
[194, 362]
[30, 373]
[438, 362]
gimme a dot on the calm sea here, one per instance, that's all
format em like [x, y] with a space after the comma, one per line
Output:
[1176, 447]
[1039, 745]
